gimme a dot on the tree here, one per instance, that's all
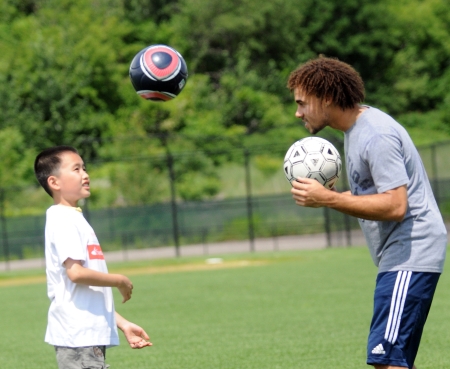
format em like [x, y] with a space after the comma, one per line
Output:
[64, 80]
[421, 67]
[61, 73]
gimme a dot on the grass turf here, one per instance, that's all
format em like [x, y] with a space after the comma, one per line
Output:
[308, 309]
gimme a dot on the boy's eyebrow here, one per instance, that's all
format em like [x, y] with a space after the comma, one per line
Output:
[78, 164]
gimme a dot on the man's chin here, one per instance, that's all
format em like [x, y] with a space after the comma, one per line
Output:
[315, 130]
[309, 128]
[312, 130]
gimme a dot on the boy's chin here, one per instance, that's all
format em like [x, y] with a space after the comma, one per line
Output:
[85, 195]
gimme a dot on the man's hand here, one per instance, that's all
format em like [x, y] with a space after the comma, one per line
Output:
[308, 192]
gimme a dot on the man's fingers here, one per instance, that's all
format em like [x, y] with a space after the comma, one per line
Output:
[304, 180]
[301, 183]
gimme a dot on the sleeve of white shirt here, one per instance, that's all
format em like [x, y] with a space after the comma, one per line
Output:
[68, 240]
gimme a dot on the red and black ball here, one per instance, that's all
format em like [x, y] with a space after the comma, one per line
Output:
[158, 73]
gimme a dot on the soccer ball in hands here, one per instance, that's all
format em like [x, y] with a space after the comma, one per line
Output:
[313, 157]
[158, 73]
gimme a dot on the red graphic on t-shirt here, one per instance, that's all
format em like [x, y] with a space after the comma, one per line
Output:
[95, 252]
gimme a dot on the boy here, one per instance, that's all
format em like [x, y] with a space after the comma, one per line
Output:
[390, 195]
[82, 321]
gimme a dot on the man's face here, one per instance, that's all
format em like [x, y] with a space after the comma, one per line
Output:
[311, 110]
[72, 178]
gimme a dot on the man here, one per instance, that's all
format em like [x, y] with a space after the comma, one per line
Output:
[391, 196]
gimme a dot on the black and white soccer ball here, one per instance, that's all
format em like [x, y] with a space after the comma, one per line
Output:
[313, 157]
[158, 73]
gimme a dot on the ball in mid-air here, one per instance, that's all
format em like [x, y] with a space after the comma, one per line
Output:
[158, 73]
[313, 157]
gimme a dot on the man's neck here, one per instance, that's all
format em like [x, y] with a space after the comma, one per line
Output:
[343, 120]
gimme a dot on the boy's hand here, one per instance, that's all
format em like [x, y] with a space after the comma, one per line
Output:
[135, 335]
[125, 288]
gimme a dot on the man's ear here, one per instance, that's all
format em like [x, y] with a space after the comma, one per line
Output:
[53, 183]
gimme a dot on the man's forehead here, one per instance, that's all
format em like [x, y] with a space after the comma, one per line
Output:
[300, 94]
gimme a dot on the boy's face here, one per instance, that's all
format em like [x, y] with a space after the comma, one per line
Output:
[71, 183]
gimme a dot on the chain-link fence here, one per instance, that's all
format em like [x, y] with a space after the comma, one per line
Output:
[177, 223]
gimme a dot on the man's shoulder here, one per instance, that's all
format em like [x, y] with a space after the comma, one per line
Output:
[375, 123]
[379, 118]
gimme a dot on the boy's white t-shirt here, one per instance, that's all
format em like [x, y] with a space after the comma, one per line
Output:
[79, 315]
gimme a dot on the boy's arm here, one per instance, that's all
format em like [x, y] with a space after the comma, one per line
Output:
[135, 335]
[81, 275]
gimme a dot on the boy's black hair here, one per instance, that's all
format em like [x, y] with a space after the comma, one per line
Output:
[47, 163]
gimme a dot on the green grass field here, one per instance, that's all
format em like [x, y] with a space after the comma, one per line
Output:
[308, 309]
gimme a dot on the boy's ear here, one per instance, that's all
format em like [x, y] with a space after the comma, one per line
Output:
[53, 183]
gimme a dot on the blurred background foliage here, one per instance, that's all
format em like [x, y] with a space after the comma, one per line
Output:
[64, 80]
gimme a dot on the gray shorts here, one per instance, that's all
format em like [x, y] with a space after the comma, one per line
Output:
[92, 357]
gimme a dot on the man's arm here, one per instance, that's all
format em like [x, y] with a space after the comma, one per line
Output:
[135, 335]
[387, 206]
[81, 275]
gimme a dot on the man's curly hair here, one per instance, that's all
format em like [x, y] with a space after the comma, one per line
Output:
[329, 78]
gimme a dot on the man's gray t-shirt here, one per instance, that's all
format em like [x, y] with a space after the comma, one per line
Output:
[380, 156]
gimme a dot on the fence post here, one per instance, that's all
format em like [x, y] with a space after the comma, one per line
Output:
[86, 213]
[434, 173]
[125, 246]
[251, 228]
[4, 230]
[205, 241]
[326, 215]
[111, 220]
[173, 203]
[275, 236]
[348, 231]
